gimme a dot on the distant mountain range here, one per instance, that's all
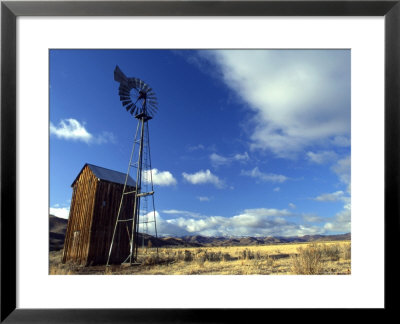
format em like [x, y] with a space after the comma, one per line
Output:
[58, 227]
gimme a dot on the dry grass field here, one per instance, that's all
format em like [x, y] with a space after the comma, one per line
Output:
[321, 258]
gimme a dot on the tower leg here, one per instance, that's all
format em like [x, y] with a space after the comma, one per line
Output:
[135, 224]
[122, 197]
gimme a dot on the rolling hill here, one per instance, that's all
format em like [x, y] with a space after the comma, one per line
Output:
[58, 226]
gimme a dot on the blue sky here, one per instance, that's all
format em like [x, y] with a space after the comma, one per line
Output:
[245, 142]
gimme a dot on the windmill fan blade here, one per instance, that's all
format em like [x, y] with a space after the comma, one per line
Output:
[124, 83]
[152, 103]
[125, 88]
[136, 95]
[135, 83]
[146, 88]
[132, 82]
[123, 93]
[154, 109]
[119, 76]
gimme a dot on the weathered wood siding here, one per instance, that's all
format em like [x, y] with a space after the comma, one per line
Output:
[77, 236]
[93, 213]
[108, 197]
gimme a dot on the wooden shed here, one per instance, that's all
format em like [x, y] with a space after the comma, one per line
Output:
[95, 201]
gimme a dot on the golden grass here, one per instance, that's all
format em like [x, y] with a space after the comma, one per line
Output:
[295, 258]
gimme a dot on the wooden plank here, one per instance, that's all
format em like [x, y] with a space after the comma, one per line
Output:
[78, 229]
[104, 221]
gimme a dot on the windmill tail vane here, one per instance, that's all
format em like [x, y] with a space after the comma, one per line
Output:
[119, 76]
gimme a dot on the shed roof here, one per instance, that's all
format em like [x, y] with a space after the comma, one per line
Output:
[108, 175]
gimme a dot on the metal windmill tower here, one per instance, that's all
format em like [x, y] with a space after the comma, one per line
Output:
[140, 101]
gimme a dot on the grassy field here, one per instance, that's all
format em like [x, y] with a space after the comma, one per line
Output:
[326, 258]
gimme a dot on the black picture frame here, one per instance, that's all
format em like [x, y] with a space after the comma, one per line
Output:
[10, 10]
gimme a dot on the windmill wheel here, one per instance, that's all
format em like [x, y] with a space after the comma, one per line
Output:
[136, 96]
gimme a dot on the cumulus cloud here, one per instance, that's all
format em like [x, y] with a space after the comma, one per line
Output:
[250, 222]
[335, 196]
[265, 177]
[71, 129]
[203, 177]
[341, 222]
[321, 157]
[164, 227]
[218, 160]
[259, 222]
[161, 178]
[62, 212]
[299, 97]
[343, 169]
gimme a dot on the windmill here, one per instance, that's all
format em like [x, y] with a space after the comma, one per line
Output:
[140, 101]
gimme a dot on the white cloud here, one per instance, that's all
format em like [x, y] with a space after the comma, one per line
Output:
[341, 222]
[299, 97]
[161, 178]
[291, 205]
[71, 129]
[241, 157]
[335, 196]
[277, 189]
[265, 177]
[104, 137]
[164, 227]
[203, 177]
[218, 160]
[203, 198]
[341, 141]
[321, 157]
[62, 212]
[199, 147]
[311, 218]
[250, 222]
[343, 169]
